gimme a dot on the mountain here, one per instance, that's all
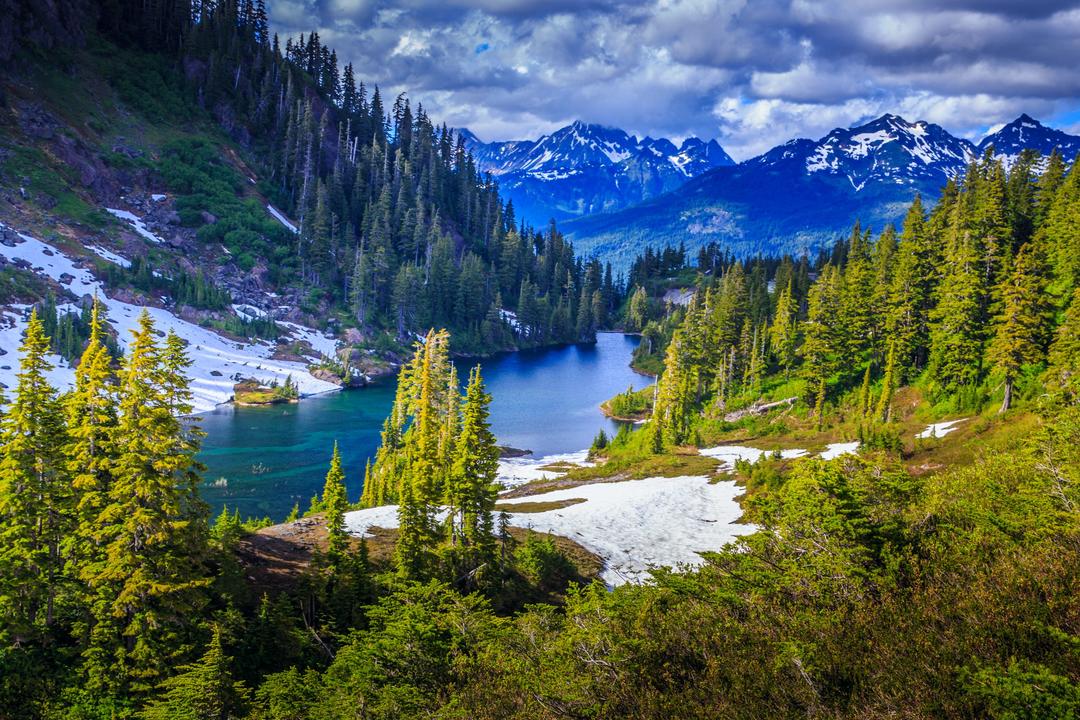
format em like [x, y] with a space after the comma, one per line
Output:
[584, 168]
[1027, 133]
[804, 194]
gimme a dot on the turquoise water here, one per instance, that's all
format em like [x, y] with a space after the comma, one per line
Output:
[263, 459]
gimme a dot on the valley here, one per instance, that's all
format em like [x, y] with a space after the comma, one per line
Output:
[315, 405]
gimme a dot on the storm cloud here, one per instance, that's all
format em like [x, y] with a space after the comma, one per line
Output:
[752, 73]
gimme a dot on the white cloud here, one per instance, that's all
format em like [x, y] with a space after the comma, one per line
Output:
[753, 73]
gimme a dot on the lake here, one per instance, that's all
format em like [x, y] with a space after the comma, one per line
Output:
[262, 460]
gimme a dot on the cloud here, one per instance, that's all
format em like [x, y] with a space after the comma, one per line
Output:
[752, 73]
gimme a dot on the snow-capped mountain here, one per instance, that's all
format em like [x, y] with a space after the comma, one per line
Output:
[889, 150]
[804, 194]
[1027, 133]
[586, 168]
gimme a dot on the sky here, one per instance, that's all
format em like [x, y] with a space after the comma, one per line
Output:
[750, 73]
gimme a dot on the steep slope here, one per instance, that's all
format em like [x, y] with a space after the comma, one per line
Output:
[586, 168]
[804, 194]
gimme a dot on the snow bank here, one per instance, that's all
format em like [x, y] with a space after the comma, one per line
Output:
[280, 217]
[940, 429]
[12, 326]
[633, 526]
[835, 450]
[110, 256]
[136, 223]
[216, 361]
[519, 471]
[729, 454]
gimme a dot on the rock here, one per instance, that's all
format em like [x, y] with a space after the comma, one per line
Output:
[208, 217]
[66, 278]
[216, 373]
[170, 217]
[327, 376]
[352, 336]
[47, 251]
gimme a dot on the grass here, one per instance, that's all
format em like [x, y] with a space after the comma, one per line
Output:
[537, 507]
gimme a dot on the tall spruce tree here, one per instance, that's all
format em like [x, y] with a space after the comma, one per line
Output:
[471, 492]
[1021, 328]
[335, 503]
[36, 502]
[152, 580]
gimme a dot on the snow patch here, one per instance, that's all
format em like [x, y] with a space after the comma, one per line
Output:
[280, 217]
[110, 256]
[940, 429]
[216, 361]
[137, 223]
[835, 450]
[634, 526]
[514, 472]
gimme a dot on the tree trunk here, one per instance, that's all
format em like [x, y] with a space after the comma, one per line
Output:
[1007, 400]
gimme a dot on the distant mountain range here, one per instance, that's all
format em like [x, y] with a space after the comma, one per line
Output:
[584, 169]
[804, 194]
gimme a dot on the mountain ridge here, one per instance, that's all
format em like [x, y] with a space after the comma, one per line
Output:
[802, 195]
[584, 168]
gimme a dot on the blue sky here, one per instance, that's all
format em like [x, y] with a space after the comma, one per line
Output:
[751, 73]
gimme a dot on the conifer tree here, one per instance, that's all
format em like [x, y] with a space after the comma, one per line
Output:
[151, 581]
[471, 492]
[957, 332]
[204, 690]
[36, 504]
[1064, 355]
[335, 504]
[1021, 330]
[783, 334]
[888, 383]
[90, 452]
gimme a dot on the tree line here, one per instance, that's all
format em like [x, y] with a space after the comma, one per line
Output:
[967, 299]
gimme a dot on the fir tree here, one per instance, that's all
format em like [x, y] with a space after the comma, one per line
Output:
[335, 504]
[1021, 327]
[471, 493]
[152, 578]
[36, 504]
[204, 690]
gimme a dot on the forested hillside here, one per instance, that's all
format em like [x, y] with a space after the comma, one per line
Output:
[393, 228]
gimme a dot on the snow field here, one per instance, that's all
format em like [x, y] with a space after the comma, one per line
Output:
[215, 359]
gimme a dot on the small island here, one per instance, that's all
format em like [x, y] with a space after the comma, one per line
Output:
[252, 392]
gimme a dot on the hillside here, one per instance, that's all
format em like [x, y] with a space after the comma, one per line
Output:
[280, 211]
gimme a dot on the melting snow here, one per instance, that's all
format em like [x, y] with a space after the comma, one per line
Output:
[835, 450]
[521, 470]
[940, 429]
[136, 223]
[633, 525]
[110, 256]
[215, 360]
[281, 218]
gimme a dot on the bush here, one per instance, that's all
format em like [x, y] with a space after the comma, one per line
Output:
[539, 560]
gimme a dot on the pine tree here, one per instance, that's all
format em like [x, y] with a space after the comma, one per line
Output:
[36, 504]
[671, 416]
[884, 406]
[204, 690]
[335, 504]
[1021, 329]
[958, 329]
[1064, 355]
[472, 493]
[783, 335]
[151, 581]
[90, 452]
